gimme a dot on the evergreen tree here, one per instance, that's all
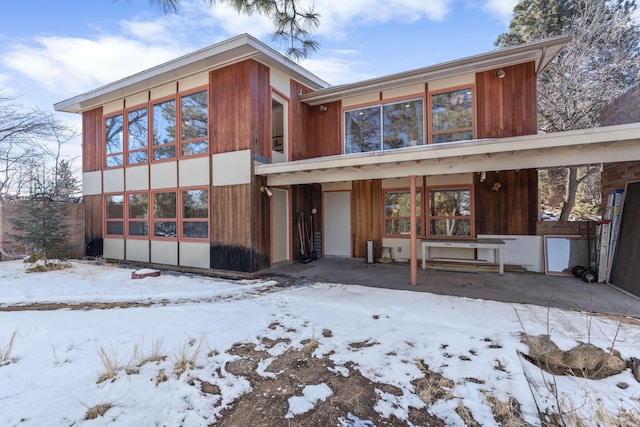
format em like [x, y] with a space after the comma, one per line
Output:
[66, 184]
[600, 63]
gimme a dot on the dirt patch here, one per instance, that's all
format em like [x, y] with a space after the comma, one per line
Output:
[352, 395]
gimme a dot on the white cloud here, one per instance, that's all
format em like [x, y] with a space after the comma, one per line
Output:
[503, 9]
[336, 68]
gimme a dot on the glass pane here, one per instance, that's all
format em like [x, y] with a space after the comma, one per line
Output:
[115, 228]
[398, 203]
[137, 129]
[115, 207]
[401, 226]
[452, 110]
[113, 134]
[195, 230]
[277, 126]
[191, 148]
[164, 229]
[164, 123]
[194, 115]
[138, 206]
[164, 152]
[451, 227]
[403, 124]
[113, 161]
[453, 136]
[138, 157]
[450, 202]
[138, 228]
[362, 130]
[195, 204]
[164, 205]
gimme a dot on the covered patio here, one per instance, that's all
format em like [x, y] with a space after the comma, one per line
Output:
[564, 292]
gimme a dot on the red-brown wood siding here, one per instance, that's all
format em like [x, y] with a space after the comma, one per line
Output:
[513, 209]
[366, 215]
[240, 105]
[323, 130]
[92, 140]
[298, 113]
[93, 223]
[507, 106]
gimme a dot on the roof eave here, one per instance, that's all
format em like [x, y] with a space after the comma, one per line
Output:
[542, 52]
[216, 56]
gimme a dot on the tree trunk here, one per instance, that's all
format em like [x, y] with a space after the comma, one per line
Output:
[572, 190]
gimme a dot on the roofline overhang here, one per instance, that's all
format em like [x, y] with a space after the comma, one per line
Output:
[542, 52]
[561, 149]
[219, 55]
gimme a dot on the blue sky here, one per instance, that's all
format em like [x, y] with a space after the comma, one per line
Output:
[53, 50]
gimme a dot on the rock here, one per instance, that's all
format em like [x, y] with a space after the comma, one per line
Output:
[145, 272]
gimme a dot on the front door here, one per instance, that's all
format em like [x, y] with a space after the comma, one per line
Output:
[337, 223]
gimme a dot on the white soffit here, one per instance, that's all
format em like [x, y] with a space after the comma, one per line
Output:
[587, 146]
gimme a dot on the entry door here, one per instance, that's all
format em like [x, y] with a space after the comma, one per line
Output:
[279, 225]
[337, 223]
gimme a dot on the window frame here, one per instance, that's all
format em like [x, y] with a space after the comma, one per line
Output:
[284, 100]
[106, 220]
[128, 219]
[105, 141]
[154, 219]
[179, 141]
[152, 146]
[474, 121]
[126, 135]
[429, 217]
[181, 218]
[419, 216]
[381, 104]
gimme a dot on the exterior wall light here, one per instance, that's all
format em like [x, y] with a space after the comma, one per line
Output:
[323, 108]
[267, 190]
[500, 73]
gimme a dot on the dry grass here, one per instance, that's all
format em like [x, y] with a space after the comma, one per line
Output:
[185, 358]
[433, 386]
[600, 414]
[97, 411]
[506, 413]
[5, 351]
[464, 413]
[110, 362]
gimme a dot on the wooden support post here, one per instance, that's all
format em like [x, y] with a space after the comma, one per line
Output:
[414, 227]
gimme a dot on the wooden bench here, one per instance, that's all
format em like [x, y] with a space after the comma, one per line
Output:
[468, 243]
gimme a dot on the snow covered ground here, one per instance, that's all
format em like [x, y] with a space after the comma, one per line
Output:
[49, 370]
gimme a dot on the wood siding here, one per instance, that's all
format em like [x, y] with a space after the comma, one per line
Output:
[92, 140]
[323, 131]
[513, 209]
[298, 113]
[93, 225]
[507, 106]
[240, 108]
[366, 216]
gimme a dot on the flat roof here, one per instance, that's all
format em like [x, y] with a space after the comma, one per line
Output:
[542, 52]
[218, 55]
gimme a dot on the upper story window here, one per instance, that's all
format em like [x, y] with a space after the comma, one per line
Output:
[114, 141]
[164, 130]
[386, 126]
[194, 123]
[137, 136]
[452, 115]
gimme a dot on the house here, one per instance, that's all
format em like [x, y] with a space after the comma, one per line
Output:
[234, 158]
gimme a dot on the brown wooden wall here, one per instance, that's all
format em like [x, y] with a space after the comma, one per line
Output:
[93, 225]
[366, 216]
[240, 108]
[513, 209]
[92, 140]
[323, 131]
[297, 119]
[507, 106]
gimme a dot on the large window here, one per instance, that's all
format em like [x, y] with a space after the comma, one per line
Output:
[165, 214]
[452, 115]
[164, 130]
[397, 212]
[384, 127]
[114, 215]
[194, 123]
[450, 212]
[138, 214]
[137, 136]
[195, 214]
[114, 141]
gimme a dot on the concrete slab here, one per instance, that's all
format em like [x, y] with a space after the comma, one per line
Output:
[566, 292]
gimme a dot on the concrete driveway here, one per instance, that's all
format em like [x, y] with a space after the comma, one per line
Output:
[566, 292]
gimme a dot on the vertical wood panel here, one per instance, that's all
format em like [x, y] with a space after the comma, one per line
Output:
[324, 131]
[92, 140]
[511, 210]
[366, 208]
[298, 117]
[93, 224]
[507, 106]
